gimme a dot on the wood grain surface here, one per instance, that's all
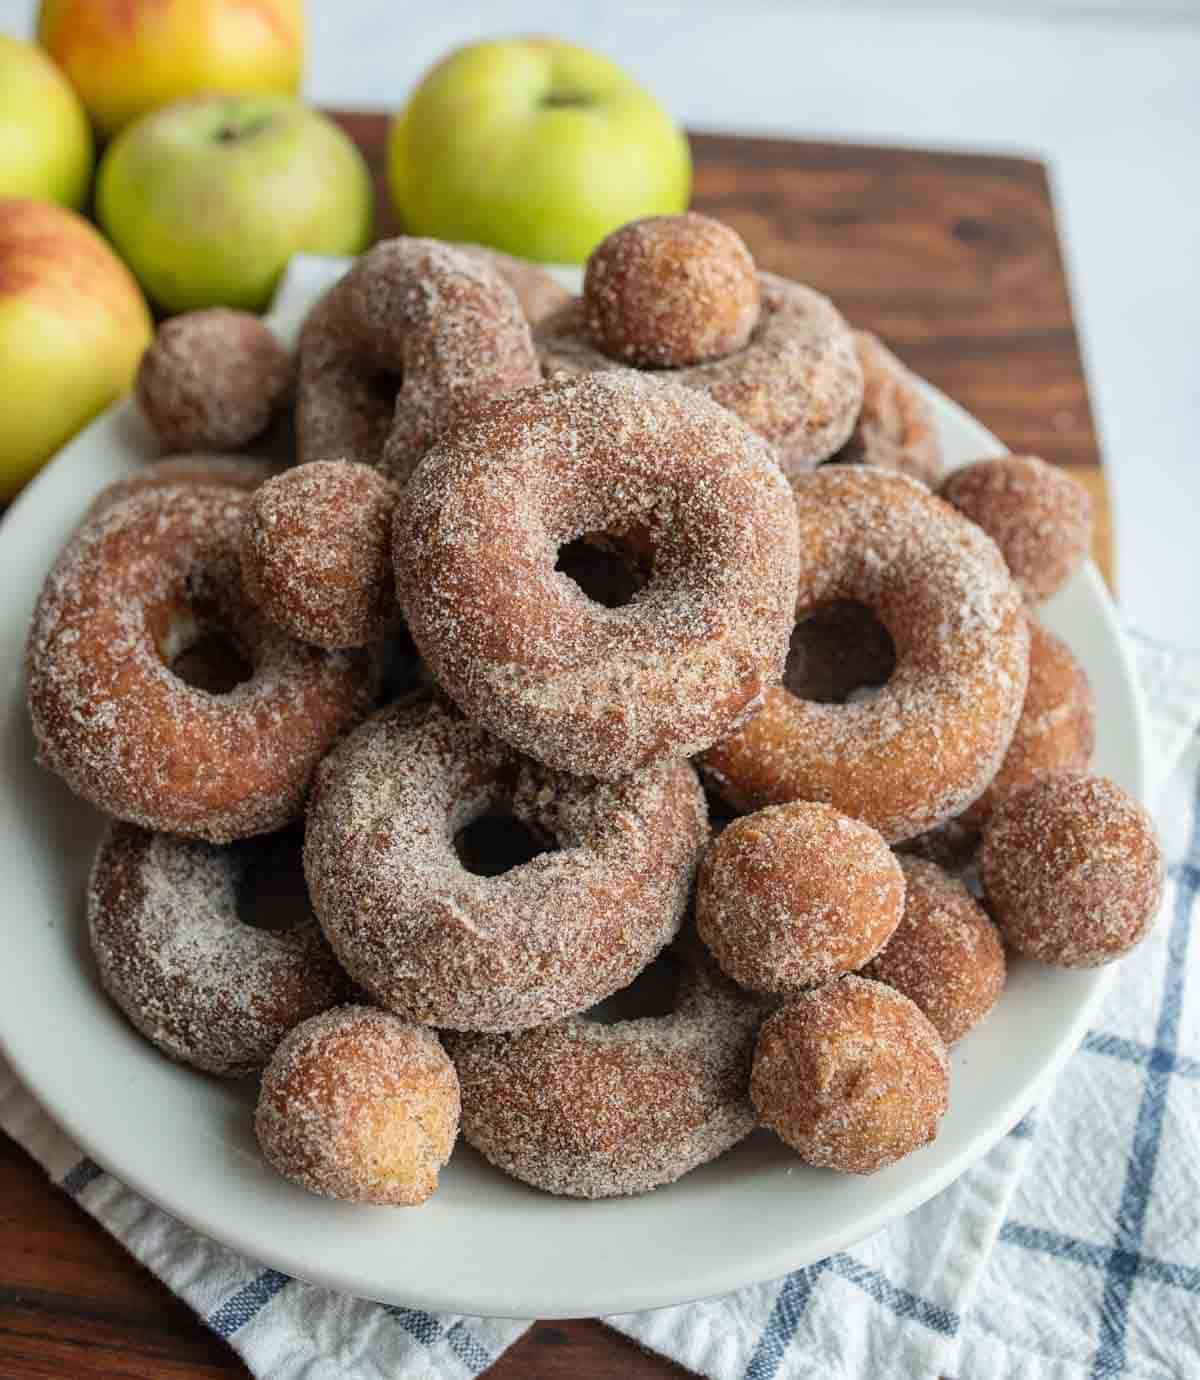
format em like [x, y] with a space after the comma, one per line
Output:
[955, 261]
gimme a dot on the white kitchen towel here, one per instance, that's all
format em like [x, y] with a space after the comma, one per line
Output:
[1072, 1250]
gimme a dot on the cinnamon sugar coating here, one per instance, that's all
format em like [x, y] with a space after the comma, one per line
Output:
[896, 428]
[538, 292]
[1037, 514]
[925, 745]
[132, 590]
[945, 955]
[1072, 870]
[358, 1105]
[1056, 733]
[224, 471]
[793, 895]
[418, 329]
[851, 1075]
[669, 291]
[212, 380]
[444, 946]
[206, 988]
[585, 688]
[590, 1110]
[797, 382]
[316, 553]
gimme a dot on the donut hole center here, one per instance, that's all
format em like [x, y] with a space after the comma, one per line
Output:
[495, 842]
[651, 995]
[838, 654]
[382, 386]
[198, 650]
[271, 891]
[604, 569]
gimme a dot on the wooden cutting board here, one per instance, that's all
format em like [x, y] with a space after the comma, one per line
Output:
[955, 261]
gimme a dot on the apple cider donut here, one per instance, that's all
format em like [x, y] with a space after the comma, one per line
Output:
[316, 553]
[223, 471]
[441, 945]
[408, 343]
[212, 380]
[133, 590]
[796, 380]
[590, 1110]
[585, 688]
[896, 427]
[926, 744]
[205, 987]
[538, 291]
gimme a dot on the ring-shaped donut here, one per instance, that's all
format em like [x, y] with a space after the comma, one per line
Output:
[582, 687]
[409, 342]
[797, 382]
[591, 1110]
[927, 743]
[189, 973]
[443, 946]
[133, 589]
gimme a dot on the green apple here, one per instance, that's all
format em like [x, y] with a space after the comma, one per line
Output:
[73, 327]
[206, 200]
[536, 147]
[45, 140]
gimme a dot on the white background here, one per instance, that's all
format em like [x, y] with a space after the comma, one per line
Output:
[1106, 91]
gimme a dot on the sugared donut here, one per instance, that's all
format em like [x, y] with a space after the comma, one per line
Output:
[669, 291]
[359, 1105]
[317, 553]
[212, 380]
[225, 471]
[132, 590]
[795, 894]
[584, 688]
[173, 953]
[1037, 514]
[1072, 871]
[896, 427]
[945, 955]
[851, 1075]
[439, 944]
[927, 743]
[1056, 733]
[538, 292]
[797, 382]
[417, 330]
[593, 1110]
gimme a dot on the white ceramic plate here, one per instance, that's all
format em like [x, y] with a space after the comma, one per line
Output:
[485, 1244]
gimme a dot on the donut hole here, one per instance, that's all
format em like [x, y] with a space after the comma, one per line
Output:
[654, 993]
[382, 385]
[837, 650]
[271, 891]
[201, 652]
[495, 842]
[603, 568]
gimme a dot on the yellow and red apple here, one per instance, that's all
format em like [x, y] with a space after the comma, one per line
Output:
[45, 142]
[535, 146]
[126, 57]
[206, 200]
[73, 326]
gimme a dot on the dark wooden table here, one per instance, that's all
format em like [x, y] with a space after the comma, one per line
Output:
[954, 260]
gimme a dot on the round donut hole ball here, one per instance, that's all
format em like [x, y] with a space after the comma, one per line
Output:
[671, 291]
[945, 955]
[793, 895]
[839, 653]
[359, 1105]
[1037, 514]
[1072, 871]
[212, 380]
[316, 553]
[852, 1076]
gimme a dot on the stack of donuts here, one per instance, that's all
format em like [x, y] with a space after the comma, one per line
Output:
[632, 736]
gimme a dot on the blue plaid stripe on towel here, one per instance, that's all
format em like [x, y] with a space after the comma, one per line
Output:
[1070, 1252]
